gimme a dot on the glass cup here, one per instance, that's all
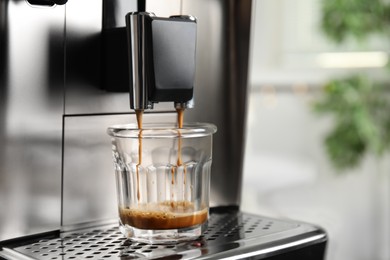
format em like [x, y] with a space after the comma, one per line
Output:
[162, 180]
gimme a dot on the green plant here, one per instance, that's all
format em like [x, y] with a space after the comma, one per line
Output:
[362, 120]
[354, 18]
[359, 106]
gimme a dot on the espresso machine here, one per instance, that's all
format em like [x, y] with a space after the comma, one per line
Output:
[64, 78]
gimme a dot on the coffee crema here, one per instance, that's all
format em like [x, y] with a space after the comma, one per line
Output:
[164, 215]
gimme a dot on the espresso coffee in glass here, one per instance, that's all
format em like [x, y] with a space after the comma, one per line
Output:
[163, 180]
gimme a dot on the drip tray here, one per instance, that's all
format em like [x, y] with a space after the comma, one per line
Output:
[228, 234]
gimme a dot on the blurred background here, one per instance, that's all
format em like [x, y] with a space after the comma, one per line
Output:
[318, 122]
[318, 119]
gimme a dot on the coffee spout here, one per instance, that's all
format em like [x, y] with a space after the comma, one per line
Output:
[161, 59]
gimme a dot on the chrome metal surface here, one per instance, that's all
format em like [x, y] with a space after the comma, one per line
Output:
[136, 34]
[182, 16]
[50, 79]
[221, 88]
[114, 12]
[221, 73]
[31, 107]
[228, 234]
[84, 57]
[161, 59]
[84, 93]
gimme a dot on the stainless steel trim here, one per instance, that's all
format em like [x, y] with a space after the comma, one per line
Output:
[31, 107]
[290, 245]
[114, 12]
[135, 23]
[221, 88]
[10, 254]
[220, 78]
[230, 235]
[186, 17]
[67, 55]
[142, 68]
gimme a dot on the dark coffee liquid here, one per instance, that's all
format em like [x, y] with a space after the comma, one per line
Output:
[164, 215]
[139, 114]
[180, 119]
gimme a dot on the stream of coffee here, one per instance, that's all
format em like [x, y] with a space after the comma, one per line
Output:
[139, 114]
[180, 120]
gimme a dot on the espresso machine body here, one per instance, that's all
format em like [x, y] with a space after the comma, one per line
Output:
[63, 81]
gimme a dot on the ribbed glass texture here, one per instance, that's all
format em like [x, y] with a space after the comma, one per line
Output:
[163, 180]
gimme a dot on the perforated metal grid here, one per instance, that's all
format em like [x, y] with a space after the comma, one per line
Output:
[109, 243]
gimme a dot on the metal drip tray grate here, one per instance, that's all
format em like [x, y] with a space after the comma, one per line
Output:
[225, 232]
